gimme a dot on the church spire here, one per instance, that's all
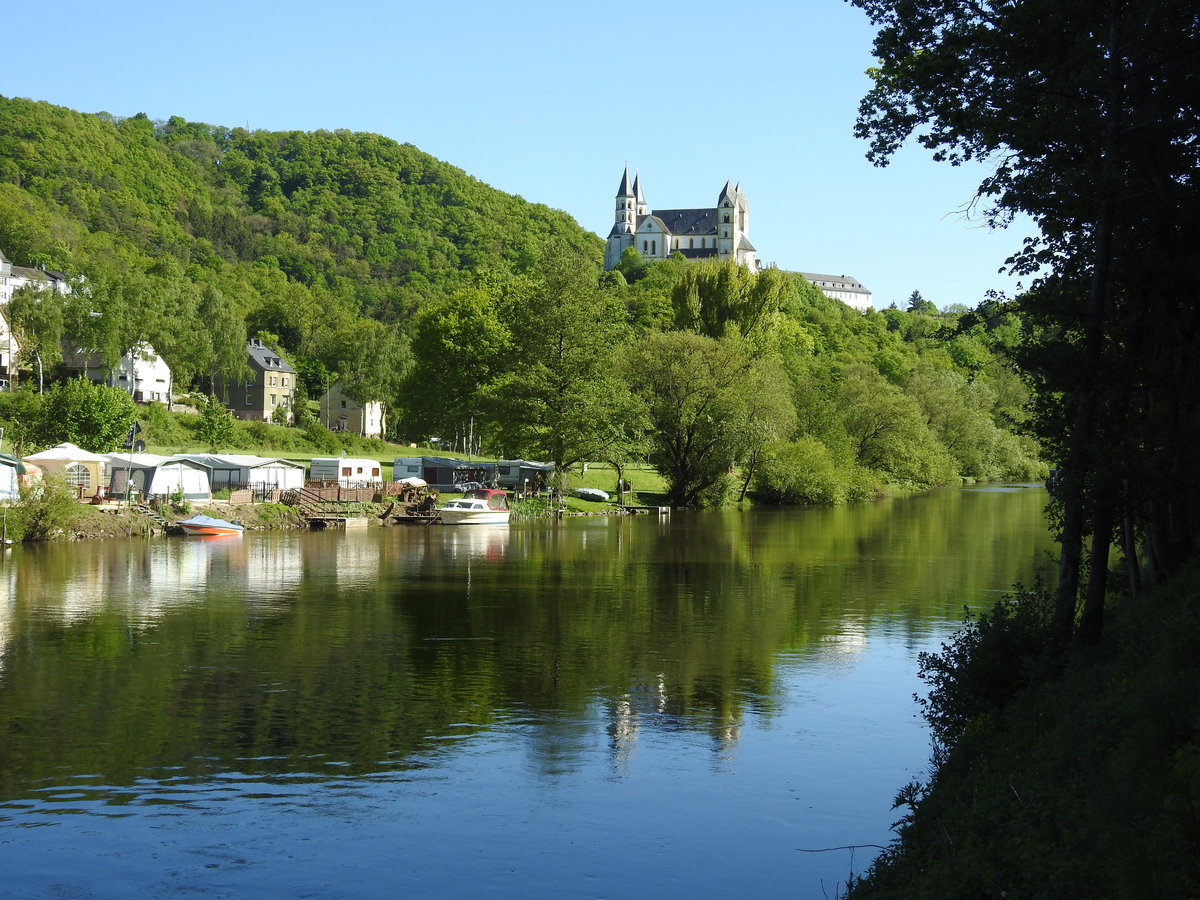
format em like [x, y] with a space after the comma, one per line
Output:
[638, 199]
[625, 190]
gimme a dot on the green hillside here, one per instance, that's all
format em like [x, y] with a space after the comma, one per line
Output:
[190, 234]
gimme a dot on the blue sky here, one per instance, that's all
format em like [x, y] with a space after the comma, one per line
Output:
[550, 100]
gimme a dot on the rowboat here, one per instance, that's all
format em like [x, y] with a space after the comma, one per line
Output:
[207, 526]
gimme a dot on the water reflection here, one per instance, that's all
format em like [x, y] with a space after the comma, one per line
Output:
[173, 674]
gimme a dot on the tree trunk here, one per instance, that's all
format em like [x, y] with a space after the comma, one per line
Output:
[1079, 461]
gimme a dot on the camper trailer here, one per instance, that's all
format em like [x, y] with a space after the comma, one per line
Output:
[346, 471]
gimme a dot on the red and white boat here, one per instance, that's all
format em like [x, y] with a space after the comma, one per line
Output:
[207, 526]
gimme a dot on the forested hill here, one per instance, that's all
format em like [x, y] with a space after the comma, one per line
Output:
[380, 224]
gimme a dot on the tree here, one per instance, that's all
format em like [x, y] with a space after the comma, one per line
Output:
[36, 316]
[918, 304]
[215, 425]
[1087, 114]
[92, 416]
[460, 347]
[560, 392]
[710, 404]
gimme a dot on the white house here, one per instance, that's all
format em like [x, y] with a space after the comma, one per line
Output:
[239, 470]
[150, 475]
[15, 277]
[9, 348]
[718, 232]
[340, 413]
[846, 288]
[141, 373]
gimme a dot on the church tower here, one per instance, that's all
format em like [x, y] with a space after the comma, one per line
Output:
[625, 220]
[726, 222]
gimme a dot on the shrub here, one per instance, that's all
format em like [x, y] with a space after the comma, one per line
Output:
[43, 509]
[800, 472]
[986, 664]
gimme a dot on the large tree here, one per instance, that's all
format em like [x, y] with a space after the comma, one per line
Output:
[560, 392]
[1085, 113]
[710, 405]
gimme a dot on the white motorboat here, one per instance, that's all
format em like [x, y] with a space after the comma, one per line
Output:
[483, 506]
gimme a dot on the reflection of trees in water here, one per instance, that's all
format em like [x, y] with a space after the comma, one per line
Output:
[283, 652]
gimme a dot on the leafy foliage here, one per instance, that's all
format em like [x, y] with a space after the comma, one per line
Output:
[88, 415]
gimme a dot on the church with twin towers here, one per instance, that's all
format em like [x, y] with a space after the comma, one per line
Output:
[718, 232]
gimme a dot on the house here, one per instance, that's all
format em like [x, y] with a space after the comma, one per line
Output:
[846, 288]
[346, 471]
[516, 473]
[148, 475]
[11, 470]
[719, 232]
[141, 372]
[270, 387]
[236, 470]
[442, 473]
[13, 278]
[9, 349]
[82, 469]
[340, 413]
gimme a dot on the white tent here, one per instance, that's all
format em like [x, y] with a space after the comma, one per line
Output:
[240, 470]
[82, 469]
[151, 475]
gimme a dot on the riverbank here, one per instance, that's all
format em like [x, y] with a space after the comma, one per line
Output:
[1085, 783]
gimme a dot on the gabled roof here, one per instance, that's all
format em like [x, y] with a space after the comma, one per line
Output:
[836, 282]
[149, 461]
[241, 460]
[267, 359]
[688, 221]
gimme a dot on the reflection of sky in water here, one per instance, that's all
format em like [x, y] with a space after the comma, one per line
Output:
[549, 733]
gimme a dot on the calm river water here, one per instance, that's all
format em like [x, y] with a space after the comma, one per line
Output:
[621, 707]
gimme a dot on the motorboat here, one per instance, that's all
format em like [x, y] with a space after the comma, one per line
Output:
[479, 506]
[207, 526]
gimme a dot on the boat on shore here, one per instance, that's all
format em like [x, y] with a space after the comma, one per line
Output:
[480, 506]
[207, 526]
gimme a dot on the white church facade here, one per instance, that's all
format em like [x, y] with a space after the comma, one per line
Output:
[719, 232]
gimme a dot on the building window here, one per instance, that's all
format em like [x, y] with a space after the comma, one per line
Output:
[346, 471]
[273, 400]
[654, 248]
[645, 246]
[249, 400]
[691, 243]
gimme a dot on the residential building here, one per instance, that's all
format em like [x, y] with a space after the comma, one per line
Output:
[340, 413]
[719, 232]
[846, 288]
[9, 349]
[141, 372]
[270, 387]
[14, 277]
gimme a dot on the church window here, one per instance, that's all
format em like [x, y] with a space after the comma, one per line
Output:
[726, 219]
[645, 246]
[676, 243]
[654, 248]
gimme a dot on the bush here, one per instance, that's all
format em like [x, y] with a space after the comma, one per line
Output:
[44, 508]
[800, 472]
[986, 664]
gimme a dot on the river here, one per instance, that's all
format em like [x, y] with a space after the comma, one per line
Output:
[622, 707]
